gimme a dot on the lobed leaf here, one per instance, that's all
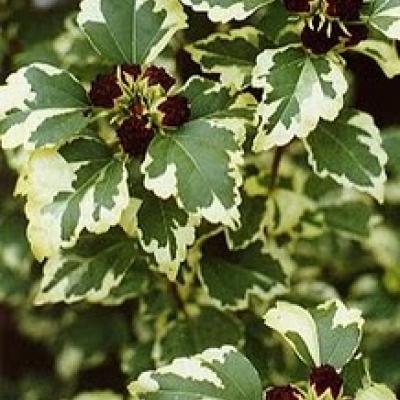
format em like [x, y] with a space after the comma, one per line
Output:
[298, 90]
[80, 186]
[91, 270]
[349, 150]
[131, 31]
[330, 334]
[253, 271]
[232, 55]
[41, 106]
[217, 373]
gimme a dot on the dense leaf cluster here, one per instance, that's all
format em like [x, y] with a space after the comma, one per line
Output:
[193, 184]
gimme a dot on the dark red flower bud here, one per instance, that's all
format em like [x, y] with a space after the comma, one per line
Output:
[137, 108]
[176, 111]
[104, 90]
[297, 6]
[158, 75]
[358, 33]
[134, 70]
[318, 40]
[344, 9]
[135, 135]
[282, 393]
[325, 377]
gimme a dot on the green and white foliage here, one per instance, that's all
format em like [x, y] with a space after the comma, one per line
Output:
[91, 270]
[313, 90]
[131, 31]
[260, 270]
[252, 222]
[217, 373]
[206, 327]
[199, 162]
[98, 395]
[226, 10]
[329, 334]
[383, 51]
[232, 55]
[166, 236]
[384, 15]
[349, 150]
[41, 106]
[80, 186]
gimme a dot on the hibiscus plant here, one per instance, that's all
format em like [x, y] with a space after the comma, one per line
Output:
[192, 206]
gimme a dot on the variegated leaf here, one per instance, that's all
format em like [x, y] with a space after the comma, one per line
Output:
[349, 150]
[252, 220]
[329, 334]
[232, 55]
[80, 186]
[199, 165]
[375, 392]
[206, 150]
[226, 10]
[298, 90]
[164, 230]
[384, 15]
[41, 106]
[131, 31]
[207, 328]
[134, 283]
[218, 374]
[254, 271]
[214, 102]
[95, 266]
[384, 52]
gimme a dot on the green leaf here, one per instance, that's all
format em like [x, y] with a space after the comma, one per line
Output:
[350, 151]
[131, 31]
[384, 15]
[298, 90]
[199, 165]
[226, 10]
[253, 271]
[168, 235]
[252, 219]
[330, 334]
[232, 55]
[208, 328]
[134, 283]
[80, 186]
[375, 392]
[89, 271]
[218, 374]
[44, 107]
[351, 218]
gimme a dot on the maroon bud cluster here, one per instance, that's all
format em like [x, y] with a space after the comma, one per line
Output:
[175, 111]
[282, 393]
[321, 39]
[325, 377]
[158, 75]
[105, 90]
[345, 10]
[135, 135]
[318, 40]
[137, 107]
[297, 6]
